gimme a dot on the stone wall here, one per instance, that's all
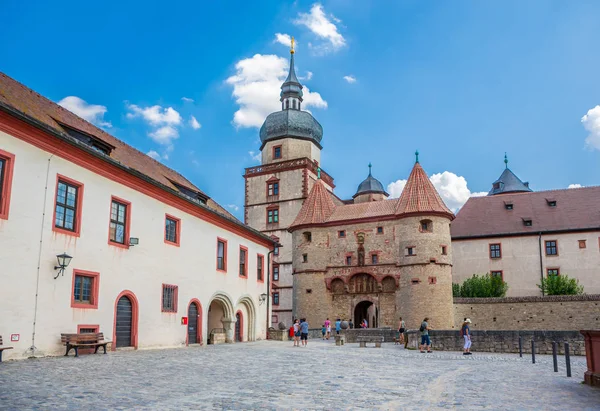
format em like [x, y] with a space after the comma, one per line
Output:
[529, 313]
[502, 341]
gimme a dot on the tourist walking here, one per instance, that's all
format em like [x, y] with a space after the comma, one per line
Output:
[304, 332]
[328, 328]
[296, 333]
[425, 340]
[401, 331]
[323, 331]
[465, 331]
[350, 324]
[338, 326]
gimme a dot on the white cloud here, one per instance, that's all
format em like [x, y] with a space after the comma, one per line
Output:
[575, 186]
[93, 113]
[309, 75]
[255, 155]
[233, 207]
[164, 135]
[284, 39]
[452, 188]
[155, 115]
[317, 22]
[187, 99]
[194, 123]
[350, 79]
[591, 122]
[256, 86]
[154, 155]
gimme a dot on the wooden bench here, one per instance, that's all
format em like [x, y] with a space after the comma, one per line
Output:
[363, 340]
[86, 340]
[2, 348]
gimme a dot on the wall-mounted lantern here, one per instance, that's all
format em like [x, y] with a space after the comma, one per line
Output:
[262, 298]
[64, 260]
[133, 241]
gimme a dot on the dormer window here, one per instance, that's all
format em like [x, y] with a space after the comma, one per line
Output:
[193, 194]
[508, 205]
[95, 143]
[527, 222]
[551, 202]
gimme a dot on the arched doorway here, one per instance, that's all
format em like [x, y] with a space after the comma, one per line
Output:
[366, 310]
[239, 327]
[194, 331]
[126, 321]
[247, 309]
[220, 320]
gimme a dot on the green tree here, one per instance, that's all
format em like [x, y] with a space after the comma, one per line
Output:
[560, 285]
[483, 286]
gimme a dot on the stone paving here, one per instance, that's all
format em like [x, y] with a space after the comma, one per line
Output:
[269, 375]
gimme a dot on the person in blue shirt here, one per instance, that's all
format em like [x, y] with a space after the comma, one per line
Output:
[338, 326]
[304, 332]
[323, 331]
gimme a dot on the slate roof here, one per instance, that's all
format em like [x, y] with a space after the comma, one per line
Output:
[370, 185]
[15, 96]
[420, 196]
[508, 182]
[576, 209]
[317, 207]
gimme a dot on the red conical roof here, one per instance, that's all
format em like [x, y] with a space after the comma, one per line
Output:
[420, 196]
[317, 207]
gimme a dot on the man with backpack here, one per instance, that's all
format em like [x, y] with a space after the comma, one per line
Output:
[425, 340]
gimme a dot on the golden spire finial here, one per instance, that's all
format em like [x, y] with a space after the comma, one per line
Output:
[292, 49]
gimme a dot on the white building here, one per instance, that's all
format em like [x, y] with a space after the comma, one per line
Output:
[69, 187]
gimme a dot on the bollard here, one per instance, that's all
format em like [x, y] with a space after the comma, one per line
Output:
[554, 357]
[532, 352]
[568, 359]
[520, 346]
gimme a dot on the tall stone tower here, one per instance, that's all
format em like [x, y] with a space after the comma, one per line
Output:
[275, 190]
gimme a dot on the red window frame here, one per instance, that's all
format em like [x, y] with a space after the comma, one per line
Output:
[374, 258]
[555, 246]
[95, 276]
[78, 206]
[378, 229]
[582, 243]
[127, 205]
[497, 271]
[222, 240]
[280, 152]
[552, 269]
[6, 185]
[260, 267]
[275, 213]
[245, 274]
[492, 252]
[276, 266]
[271, 186]
[177, 241]
[411, 253]
[348, 260]
[175, 298]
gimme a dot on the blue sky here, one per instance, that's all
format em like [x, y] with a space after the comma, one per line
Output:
[461, 81]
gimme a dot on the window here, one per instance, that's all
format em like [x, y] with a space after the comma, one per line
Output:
[374, 259]
[276, 250]
[444, 250]
[432, 280]
[6, 170]
[551, 248]
[275, 298]
[496, 274]
[379, 230]
[341, 233]
[275, 272]
[87, 329]
[277, 152]
[259, 267]
[410, 251]
[67, 211]
[85, 289]
[304, 258]
[551, 202]
[348, 260]
[221, 255]
[495, 251]
[307, 236]
[508, 206]
[553, 272]
[172, 227]
[273, 216]
[426, 226]
[273, 189]
[527, 222]
[119, 222]
[169, 298]
[243, 262]
[582, 243]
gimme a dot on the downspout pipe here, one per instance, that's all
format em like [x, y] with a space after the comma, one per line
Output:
[541, 261]
[268, 287]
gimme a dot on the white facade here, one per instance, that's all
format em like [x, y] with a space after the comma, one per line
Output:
[36, 308]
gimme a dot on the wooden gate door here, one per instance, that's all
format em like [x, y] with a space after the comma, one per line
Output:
[238, 327]
[124, 320]
[193, 324]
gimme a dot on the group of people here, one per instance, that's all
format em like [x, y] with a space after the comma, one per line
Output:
[300, 331]
[326, 329]
[465, 332]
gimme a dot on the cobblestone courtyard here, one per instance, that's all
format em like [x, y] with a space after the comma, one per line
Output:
[275, 375]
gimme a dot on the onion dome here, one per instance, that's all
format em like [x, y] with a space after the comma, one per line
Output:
[370, 186]
[420, 196]
[291, 121]
[508, 182]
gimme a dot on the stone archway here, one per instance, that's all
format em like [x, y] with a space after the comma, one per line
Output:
[249, 307]
[221, 317]
[366, 310]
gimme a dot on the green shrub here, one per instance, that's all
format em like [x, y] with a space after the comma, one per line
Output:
[560, 285]
[483, 286]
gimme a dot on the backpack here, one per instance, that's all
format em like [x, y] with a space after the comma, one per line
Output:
[462, 331]
[422, 328]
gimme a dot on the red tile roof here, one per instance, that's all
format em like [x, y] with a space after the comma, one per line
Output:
[420, 196]
[35, 106]
[576, 209]
[317, 207]
[364, 210]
